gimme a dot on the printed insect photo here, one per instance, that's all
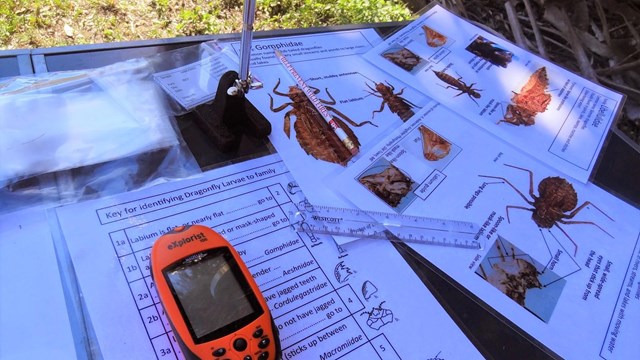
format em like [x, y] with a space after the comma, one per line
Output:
[389, 184]
[403, 58]
[490, 51]
[434, 146]
[432, 37]
[313, 133]
[555, 205]
[521, 278]
[429, 150]
[458, 84]
[397, 104]
[531, 100]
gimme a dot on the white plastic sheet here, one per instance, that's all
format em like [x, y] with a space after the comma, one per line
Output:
[78, 135]
[84, 126]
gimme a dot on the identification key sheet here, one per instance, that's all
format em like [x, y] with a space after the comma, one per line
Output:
[327, 304]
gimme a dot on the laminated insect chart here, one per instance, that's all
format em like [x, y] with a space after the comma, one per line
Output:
[561, 257]
[545, 110]
[363, 100]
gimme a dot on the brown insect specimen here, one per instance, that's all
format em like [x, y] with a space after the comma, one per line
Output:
[404, 58]
[434, 147]
[556, 197]
[397, 104]
[458, 84]
[513, 276]
[390, 185]
[313, 133]
[531, 100]
[434, 38]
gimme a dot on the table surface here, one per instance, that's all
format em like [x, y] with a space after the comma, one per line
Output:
[495, 336]
[618, 170]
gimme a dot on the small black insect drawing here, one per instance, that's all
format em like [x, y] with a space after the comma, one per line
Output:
[378, 317]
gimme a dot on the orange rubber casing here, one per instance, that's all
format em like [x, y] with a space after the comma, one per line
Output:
[184, 254]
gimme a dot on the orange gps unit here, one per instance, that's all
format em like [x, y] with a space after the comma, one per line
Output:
[214, 306]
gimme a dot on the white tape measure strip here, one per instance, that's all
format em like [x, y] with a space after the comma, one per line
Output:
[361, 224]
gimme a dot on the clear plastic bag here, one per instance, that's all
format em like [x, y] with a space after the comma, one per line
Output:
[72, 136]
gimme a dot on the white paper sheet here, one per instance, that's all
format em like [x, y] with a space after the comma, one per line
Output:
[333, 64]
[572, 284]
[482, 77]
[33, 315]
[327, 304]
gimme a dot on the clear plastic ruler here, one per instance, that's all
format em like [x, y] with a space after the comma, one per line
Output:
[362, 224]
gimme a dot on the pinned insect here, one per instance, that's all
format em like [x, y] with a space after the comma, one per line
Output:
[531, 100]
[434, 38]
[458, 84]
[397, 104]
[403, 57]
[313, 133]
[556, 197]
[434, 146]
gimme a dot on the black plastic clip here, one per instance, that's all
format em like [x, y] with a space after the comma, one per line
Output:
[228, 117]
